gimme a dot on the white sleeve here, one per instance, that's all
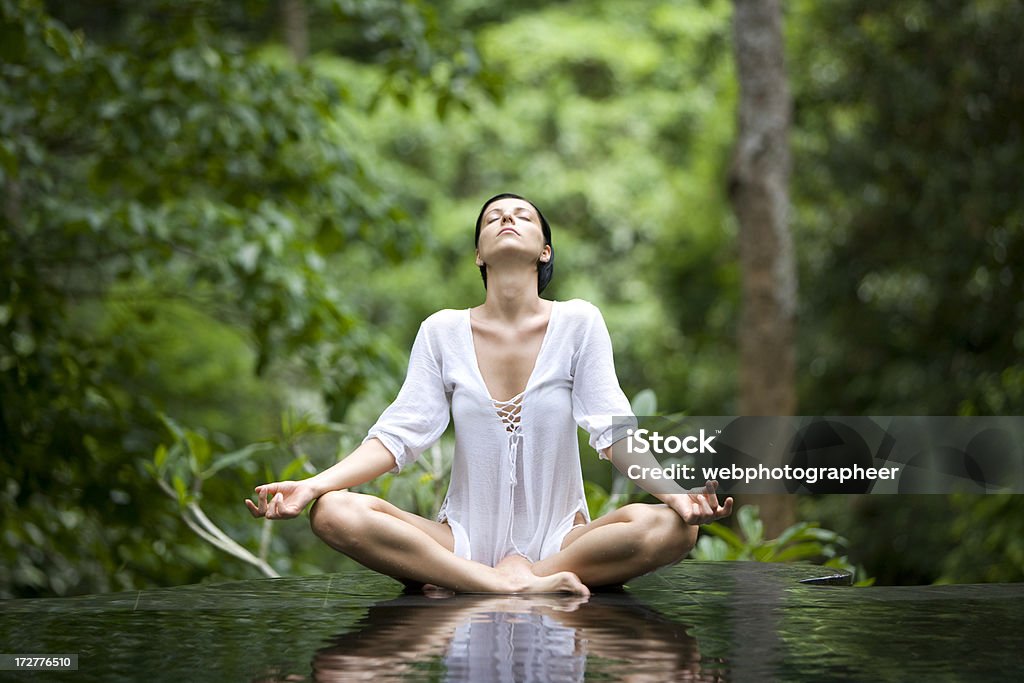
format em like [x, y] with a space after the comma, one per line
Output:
[419, 415]
[598, 404]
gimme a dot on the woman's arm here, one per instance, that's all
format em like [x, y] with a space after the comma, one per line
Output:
[696, 506]
[600, 407]
[288, 499]
[413, 422]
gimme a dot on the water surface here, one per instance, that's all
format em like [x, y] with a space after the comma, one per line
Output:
[697, 621]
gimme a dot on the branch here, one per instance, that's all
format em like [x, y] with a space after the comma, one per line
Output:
[265, 537]
[212, 534]
[229, 545]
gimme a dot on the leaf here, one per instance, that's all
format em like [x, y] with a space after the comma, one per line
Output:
[160, 457]
[441, 105]
[597, 498]
[180, 489]
[199, 450]
[8, 159]
[173, 427]
[294, 467]
[750, 524]
[826, 536]
[726, 534]
[792, 533]
[800, 551]
[59, 40]
[236, 457]
[645, 403]
[712, 550]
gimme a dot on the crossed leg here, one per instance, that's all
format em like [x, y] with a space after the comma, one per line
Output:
[621, 545]
[633, 540]
[408, 547]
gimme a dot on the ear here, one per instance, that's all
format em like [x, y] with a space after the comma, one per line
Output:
[545, 255]
[479, 261]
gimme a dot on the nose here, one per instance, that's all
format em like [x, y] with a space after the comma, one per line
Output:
[507, 218]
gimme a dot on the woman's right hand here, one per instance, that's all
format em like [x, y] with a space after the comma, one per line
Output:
[287, 499]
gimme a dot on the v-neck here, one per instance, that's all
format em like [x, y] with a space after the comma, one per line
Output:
[536, 361]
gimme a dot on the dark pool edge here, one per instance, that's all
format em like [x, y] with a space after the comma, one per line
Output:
[837, 579]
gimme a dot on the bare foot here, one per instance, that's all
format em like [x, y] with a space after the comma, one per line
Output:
[517, 570]
[559, 582]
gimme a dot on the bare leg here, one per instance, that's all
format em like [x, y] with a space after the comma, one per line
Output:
[626, 543]
[399, 544]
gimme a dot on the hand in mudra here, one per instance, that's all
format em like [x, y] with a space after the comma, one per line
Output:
[700, 506]
[287, 499]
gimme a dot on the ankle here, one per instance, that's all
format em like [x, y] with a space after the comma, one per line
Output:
[512, 582]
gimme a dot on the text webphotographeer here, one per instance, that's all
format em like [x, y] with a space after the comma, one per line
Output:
[808, 475]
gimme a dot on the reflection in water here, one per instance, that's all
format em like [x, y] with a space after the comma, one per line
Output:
[514, 638]
[754, 622]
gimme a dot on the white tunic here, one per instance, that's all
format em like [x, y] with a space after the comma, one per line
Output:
[516, 483]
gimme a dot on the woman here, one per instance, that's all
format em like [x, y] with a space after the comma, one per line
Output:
[518, 373]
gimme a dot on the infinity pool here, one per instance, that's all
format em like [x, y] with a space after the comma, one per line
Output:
[698, 621]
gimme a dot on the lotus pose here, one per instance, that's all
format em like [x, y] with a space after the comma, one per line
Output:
[517, 374]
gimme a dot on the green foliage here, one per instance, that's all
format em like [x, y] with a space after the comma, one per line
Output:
[908, 207]
[929, 538]
[601, 501]
[189, 469]
[804, 541]
[623, 144]
[160, 178]
[907, 148]
[986, 540]
[195, 226]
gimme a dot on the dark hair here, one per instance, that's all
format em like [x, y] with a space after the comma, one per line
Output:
[544, 270]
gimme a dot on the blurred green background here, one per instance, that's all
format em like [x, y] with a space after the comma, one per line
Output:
[223, 221]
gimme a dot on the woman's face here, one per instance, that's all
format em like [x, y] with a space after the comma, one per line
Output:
[511, 228]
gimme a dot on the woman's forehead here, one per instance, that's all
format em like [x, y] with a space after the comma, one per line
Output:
[510, 204]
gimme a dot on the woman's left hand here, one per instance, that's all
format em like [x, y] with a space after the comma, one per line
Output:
[700, 506]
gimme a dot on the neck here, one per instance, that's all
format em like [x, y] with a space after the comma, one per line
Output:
[512, 293]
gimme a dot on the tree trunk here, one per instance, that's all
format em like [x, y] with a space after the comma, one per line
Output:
[295, 19]
[10, 438]
[758, 190]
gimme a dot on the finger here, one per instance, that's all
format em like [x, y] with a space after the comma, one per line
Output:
[706, 505]
[696, 514]
[255, 511]
[710, 489]
[701, 510]
[686, 509]
[723, 511]
[709, 514]
[276, 503]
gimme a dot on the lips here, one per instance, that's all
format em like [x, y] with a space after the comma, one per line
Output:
[504, 230]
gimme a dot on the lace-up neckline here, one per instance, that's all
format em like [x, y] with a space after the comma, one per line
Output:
[509, 411]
